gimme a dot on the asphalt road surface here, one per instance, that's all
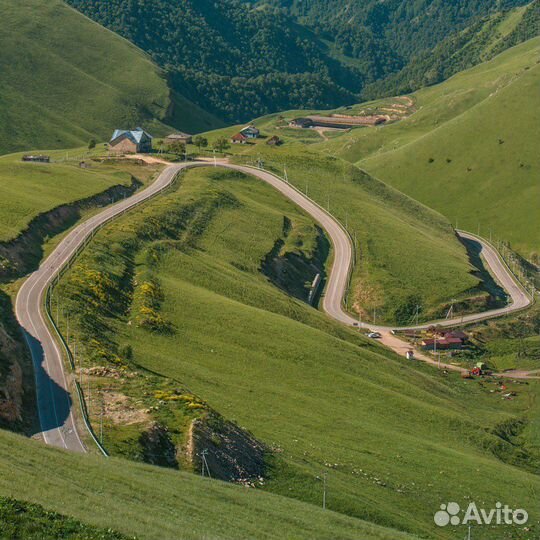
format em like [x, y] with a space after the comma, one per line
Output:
[53, 384]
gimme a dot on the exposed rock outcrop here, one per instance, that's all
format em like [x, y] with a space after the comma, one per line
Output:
[230, 452]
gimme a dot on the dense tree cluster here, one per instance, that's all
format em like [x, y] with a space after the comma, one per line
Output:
[224, 55]
[243, 58]
[457, 53]
[405, 27]
[528, 27]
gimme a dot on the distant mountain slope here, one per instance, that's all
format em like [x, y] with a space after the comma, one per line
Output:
[237, 61]
[66, 80]
[241, 59]
[471, 149]
[479, 42]
[404, 27]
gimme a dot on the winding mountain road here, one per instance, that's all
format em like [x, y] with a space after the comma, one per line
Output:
[53, 385]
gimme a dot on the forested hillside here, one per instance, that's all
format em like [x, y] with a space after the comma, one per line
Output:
[405, 27]
[479, 42]
[242, 59]
[233, 60]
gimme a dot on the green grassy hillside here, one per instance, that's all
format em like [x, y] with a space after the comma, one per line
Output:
[66, 80]
[406, 254]
[395, 439]
[32, 522]
[148, 502]
[30, 189]
[37, 203]
[471, 149]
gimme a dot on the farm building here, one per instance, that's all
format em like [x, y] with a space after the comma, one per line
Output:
[37, 159]
[346, 122]
[441, 344]
[180, 137]
[250, 132]
[458, 334]
[239, 138]
[337, 121]
[130, 142]
[303, 123]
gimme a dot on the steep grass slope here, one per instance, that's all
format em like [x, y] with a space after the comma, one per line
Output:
[30, 189]
[148, 502]
[395, 439]
[471, 150]
[33, 522]
[406, 254]
[65, 80]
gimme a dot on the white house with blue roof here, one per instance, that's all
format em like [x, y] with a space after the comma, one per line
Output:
[130, 142]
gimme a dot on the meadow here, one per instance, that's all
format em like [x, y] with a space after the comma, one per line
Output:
[321, 396]
[30, 189]
[406, 254]
[470, 151]
[57, 95]
[151, 502]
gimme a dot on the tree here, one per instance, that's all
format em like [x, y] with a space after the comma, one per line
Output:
[91, 144]
[200, 142]
[177, 147]
[221, 144]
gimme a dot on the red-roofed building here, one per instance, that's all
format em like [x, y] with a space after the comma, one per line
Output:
[239, 138]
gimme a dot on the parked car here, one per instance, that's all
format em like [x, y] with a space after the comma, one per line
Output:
[374, 335]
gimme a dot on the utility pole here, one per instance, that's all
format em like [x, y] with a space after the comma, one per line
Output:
[204, 463]
[324, 492]
[439, 360]
[80, 372]
[101, 418]
[450, 312]
[88, 399]
[285, 175]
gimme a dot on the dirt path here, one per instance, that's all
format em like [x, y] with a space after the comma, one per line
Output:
[401, 347]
